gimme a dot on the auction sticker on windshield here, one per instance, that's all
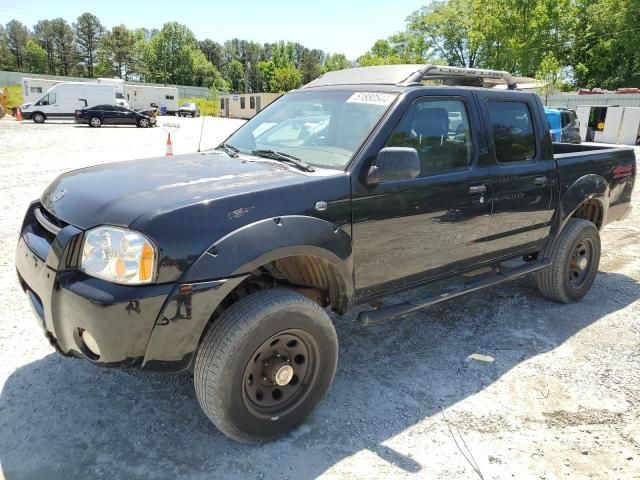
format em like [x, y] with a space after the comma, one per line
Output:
[372, 98]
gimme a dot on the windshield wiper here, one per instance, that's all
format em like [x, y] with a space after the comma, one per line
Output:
[228, 149]
[284, 157]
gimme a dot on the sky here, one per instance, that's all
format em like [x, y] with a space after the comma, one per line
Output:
[335, 26]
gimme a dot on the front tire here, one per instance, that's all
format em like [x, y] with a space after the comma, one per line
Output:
[575, 257]
[38, 117]
[143, 123]
[264, 365]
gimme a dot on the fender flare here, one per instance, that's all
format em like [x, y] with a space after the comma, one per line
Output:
[587, 187]
[247, 248]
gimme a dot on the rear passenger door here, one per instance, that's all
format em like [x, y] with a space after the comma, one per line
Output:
[523, 172]
[109, 114]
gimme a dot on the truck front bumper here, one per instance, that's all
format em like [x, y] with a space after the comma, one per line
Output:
[155, 327]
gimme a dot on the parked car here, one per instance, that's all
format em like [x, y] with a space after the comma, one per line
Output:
[226, 262]
[63, 99]
[564, 124]
[113, 115]
[189, 109]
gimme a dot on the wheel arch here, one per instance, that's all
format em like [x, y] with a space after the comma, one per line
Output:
[307, 251]
[586, 198]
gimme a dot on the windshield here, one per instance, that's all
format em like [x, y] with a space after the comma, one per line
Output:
[188, 105]
[320, 128]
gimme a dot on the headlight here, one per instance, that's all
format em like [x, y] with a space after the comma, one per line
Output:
[118, 255]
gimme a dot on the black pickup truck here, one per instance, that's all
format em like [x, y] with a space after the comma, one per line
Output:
[363, 182]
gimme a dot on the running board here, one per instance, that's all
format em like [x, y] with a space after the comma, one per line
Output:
[478, 282]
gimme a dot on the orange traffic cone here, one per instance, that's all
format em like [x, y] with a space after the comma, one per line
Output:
[18, 115]
[169, 146]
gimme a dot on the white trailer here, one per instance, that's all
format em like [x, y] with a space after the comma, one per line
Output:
[33, 88]
[118, 85]
[142, 97]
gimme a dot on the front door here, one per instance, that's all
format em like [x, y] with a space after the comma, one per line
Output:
[407, 231]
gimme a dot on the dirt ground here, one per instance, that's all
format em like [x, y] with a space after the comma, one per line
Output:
[561, 398]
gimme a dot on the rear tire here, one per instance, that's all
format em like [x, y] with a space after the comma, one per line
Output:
[264, 365]
[38, 117]
[95, 122]
[575, 256]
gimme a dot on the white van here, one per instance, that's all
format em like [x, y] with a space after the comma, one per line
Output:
[62, 100]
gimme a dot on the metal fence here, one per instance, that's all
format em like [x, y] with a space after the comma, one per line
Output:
[15, 78]
[608, 100]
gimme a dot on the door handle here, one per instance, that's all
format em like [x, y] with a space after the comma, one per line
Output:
[476, 189]
[540, 181]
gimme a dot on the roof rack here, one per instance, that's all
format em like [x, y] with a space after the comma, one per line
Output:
[439, 72]
[413, 74]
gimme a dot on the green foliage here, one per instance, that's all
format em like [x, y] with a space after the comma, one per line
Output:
[286, 78]
[207, 106]
[35, 58]
[116, 53]
[17, 36]
[88, 30]
[549, 73]
[7, 60]
[15, 96]
[234, 73]
[336, 61]
[593, 42]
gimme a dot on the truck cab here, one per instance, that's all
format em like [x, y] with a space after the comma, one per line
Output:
[362, 183]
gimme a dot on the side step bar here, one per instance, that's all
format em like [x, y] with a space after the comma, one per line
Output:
[479, 282]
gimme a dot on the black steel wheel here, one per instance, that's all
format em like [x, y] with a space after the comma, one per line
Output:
[277, 377]
[575, 257]
[264, 365]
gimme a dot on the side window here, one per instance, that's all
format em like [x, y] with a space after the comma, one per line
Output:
[513, 135]
[48, 99]
[439, 130]
[252, 103]
[222, 103]
[242, 102]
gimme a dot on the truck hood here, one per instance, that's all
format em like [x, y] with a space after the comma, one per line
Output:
[118, 193]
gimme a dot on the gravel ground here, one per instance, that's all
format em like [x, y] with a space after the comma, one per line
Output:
[560, 400]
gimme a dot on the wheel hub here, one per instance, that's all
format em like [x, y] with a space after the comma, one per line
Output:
[582, 263]
[278, 371]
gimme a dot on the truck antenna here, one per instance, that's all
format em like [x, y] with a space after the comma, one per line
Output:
[201, 130]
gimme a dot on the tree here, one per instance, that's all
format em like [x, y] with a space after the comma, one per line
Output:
[213, 52]
[64, 45]
[17, 36]
[285, 79]
[88, 32]
[447, 27]
[205, 74]
[7, 61]
[336, 61]
[266, 73]
[117, 52]
[169, 55]
[35, 57]
[310, 64]
[549, 74]
[234, 74]
[43, 34]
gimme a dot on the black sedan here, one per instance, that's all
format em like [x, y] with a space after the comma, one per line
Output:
[189, 109]
[112, 115]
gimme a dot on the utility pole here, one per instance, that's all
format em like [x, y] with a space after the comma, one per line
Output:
[247, 68]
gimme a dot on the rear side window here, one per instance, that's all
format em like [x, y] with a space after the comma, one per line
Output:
[439, 130]
[513, 134]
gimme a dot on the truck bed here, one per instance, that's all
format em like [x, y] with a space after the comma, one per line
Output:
[616, 165]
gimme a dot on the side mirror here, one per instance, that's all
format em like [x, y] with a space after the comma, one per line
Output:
[394, 163]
